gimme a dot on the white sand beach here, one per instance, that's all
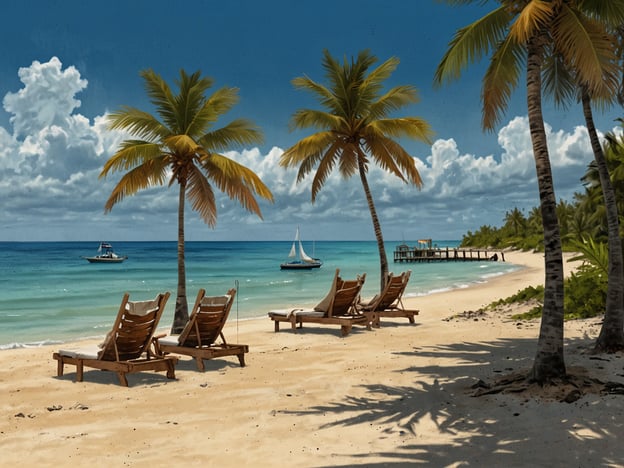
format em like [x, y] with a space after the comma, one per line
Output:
[400, 395]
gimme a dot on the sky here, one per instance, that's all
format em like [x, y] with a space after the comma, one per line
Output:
[67, 63]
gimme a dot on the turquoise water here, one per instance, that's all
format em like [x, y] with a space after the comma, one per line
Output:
[50, 294]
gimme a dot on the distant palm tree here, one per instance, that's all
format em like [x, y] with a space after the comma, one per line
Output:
[182, 148]
[565, 213]
[528, 32]
[355, 129]
[516, 221]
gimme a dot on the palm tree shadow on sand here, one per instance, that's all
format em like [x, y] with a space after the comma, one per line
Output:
[504, 429]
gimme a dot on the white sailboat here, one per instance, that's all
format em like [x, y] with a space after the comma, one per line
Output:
[301, 262]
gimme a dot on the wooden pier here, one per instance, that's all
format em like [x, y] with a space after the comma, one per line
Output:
[406, 254]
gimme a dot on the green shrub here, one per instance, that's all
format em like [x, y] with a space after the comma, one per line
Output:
[585, 296]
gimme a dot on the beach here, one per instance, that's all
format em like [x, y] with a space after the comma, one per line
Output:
[399, 395]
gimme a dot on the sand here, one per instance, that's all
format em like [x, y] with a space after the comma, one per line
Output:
[401, 395]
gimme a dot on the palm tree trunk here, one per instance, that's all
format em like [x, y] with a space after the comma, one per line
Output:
[549, 360]
[181, 316]
[611, 337]
[383, 259]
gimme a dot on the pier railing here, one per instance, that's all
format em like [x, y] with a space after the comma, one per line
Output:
[404, 253]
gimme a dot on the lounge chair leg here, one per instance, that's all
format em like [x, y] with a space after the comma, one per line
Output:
[241, 359]
[276, 322]
[171, 370]
[79, 371]
[411, 319]
[345, 329]
[60, 368]
[122, 379]
[200, 364]
[377, 321]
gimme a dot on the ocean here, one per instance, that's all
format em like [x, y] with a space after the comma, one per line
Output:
[50, 294]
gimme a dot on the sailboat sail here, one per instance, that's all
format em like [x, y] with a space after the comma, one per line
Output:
[305, 256]
[293, 249]
[304, 261]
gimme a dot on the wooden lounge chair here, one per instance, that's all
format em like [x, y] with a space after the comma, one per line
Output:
[204, 327]
[389, 303]
[339, 307]
[127, 348]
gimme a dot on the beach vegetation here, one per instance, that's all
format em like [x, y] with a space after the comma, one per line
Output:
[355, 128]
[586, 293]
[180, 145]
[584, 222]
[528, 37]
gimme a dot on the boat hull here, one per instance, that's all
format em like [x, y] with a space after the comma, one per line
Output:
[300, 266]
[105, 259]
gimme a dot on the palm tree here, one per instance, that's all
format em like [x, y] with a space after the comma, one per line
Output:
[562, 81]
[534, 222]
[565, 213]
[516, 221]
[527, 32]
[611, 337]
[182, 147]
[355, 129]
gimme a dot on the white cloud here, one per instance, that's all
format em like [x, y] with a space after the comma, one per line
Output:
[51, 158]
[47, 98]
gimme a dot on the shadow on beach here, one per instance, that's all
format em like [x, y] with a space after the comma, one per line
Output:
[495, 430]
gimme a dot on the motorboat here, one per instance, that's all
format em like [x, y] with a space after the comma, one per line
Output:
[106, 254]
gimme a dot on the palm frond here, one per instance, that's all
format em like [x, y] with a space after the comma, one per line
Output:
[348, 161]
[237, 181]
[131, 153]
[471, 43]
[189, 102]
[557, 81]
[413, 128]
[610, 13]
[323, 94]
[148, 174]
[317, 119]
[500, 79]
[137, 123]
[309, 147]
[392, 157]
[587, 49]
[182, 145]
[327, 161]
[219, 103]
[372, 84]
[534, 17]
[381, 150]
[395, 99]
[161, 96]
[202, 196]
[594, 253]
[239, 132]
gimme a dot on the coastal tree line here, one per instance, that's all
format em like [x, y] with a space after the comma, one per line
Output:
[584, 231]
[567, 50]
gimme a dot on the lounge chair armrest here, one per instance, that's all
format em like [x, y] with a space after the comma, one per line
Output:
[153, 350]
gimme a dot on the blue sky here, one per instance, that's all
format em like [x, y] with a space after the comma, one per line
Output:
[69, 64]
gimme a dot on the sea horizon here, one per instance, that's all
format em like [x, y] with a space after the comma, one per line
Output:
[52, 295]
